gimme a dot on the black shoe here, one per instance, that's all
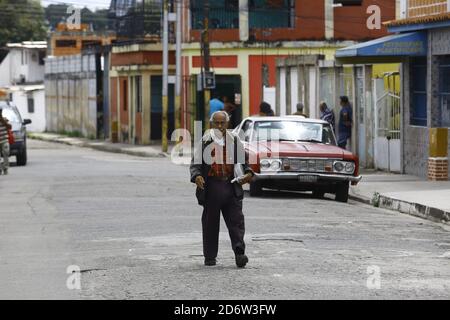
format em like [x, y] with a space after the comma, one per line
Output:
[210, 262]
[241, 260]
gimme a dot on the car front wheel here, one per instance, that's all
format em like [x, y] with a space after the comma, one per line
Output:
[255, 189]
[342, 192]
[22, 157]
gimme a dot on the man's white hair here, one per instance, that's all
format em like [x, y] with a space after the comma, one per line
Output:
[211, 119]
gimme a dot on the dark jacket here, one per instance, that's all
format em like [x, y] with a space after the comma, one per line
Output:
[203, 168]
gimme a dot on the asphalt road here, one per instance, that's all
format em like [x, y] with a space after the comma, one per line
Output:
[133, 228]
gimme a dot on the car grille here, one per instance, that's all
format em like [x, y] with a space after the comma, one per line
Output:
[307, 165]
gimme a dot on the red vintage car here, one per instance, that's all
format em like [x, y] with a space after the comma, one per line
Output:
[296, 153]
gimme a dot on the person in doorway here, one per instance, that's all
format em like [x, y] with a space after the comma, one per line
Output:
[326, 114]
[213, 173]
[230, 108]
[345, 123]
[215, 105]
[300, 110]
[5, 127]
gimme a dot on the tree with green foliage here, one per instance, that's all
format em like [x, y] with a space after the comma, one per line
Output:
[21, 20]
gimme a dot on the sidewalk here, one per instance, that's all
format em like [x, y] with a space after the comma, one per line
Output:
[134, 150]
[405, 193]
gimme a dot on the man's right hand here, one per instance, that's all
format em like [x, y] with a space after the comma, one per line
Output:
[200, 182]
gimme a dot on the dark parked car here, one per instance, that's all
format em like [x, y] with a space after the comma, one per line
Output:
[19, 148]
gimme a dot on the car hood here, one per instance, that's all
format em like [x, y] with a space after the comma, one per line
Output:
[300, 149]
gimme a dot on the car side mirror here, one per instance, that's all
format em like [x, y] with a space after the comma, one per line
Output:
[26, 121]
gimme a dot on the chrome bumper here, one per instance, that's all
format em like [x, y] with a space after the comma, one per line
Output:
[295, 175]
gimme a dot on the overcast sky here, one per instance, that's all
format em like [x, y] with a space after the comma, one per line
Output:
[91, 4]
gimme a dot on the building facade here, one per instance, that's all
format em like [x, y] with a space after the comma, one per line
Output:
[427, 92]
[420, 41]
[22, 75]
[247, 38]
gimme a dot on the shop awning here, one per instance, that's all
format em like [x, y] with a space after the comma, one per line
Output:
[397, 45]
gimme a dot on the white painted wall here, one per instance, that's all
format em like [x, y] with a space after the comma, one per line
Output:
[313, 85]
[20, 99]
[282, 92]
[270, 96]
[294, 90]
[12, 67]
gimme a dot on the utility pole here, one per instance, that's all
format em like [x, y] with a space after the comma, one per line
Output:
[165, 84]
[178, 68]
[205, 41]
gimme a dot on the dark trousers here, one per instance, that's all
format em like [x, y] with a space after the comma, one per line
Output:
[220, 197]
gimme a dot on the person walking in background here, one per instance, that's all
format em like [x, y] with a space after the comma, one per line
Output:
[300, 110]
[4, 143]
[345, 124]
[265, 110]
[326, 114]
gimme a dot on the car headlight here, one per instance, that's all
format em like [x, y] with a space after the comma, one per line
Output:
[338, 166]
[349, 167]
[265, 164]
[275, 165]
[270, 164]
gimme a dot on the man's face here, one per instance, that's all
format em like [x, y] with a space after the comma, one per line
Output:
[322, 107]
[220, 123]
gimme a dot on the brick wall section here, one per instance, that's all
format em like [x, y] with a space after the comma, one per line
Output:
[438, 169]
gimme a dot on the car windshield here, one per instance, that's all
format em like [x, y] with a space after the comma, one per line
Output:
[11, 115]
[293, 131]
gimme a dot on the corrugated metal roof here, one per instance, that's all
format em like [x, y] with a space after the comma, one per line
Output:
[26, 88]
[417, 20]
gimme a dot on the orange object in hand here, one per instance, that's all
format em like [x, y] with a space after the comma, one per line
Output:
[10, 137]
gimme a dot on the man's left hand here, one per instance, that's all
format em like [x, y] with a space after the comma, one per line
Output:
[246, 179]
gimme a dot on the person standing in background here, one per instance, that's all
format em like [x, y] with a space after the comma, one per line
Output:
[4, 143]
[300, 107]
[265, 110]
[215, 105]
[327, 114]
[345, 124]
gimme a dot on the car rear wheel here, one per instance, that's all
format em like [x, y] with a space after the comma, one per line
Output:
[22, 157]
[342, 192]
[255, 189]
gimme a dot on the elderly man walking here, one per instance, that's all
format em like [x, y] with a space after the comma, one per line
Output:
[4, 143]
[212, 170]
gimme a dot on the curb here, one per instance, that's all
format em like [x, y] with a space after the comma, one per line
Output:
[99, 147]
[411, 208]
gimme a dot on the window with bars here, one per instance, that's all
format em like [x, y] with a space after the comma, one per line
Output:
[271, 13]
[223, 14]
[418, 84]
[30, 101]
